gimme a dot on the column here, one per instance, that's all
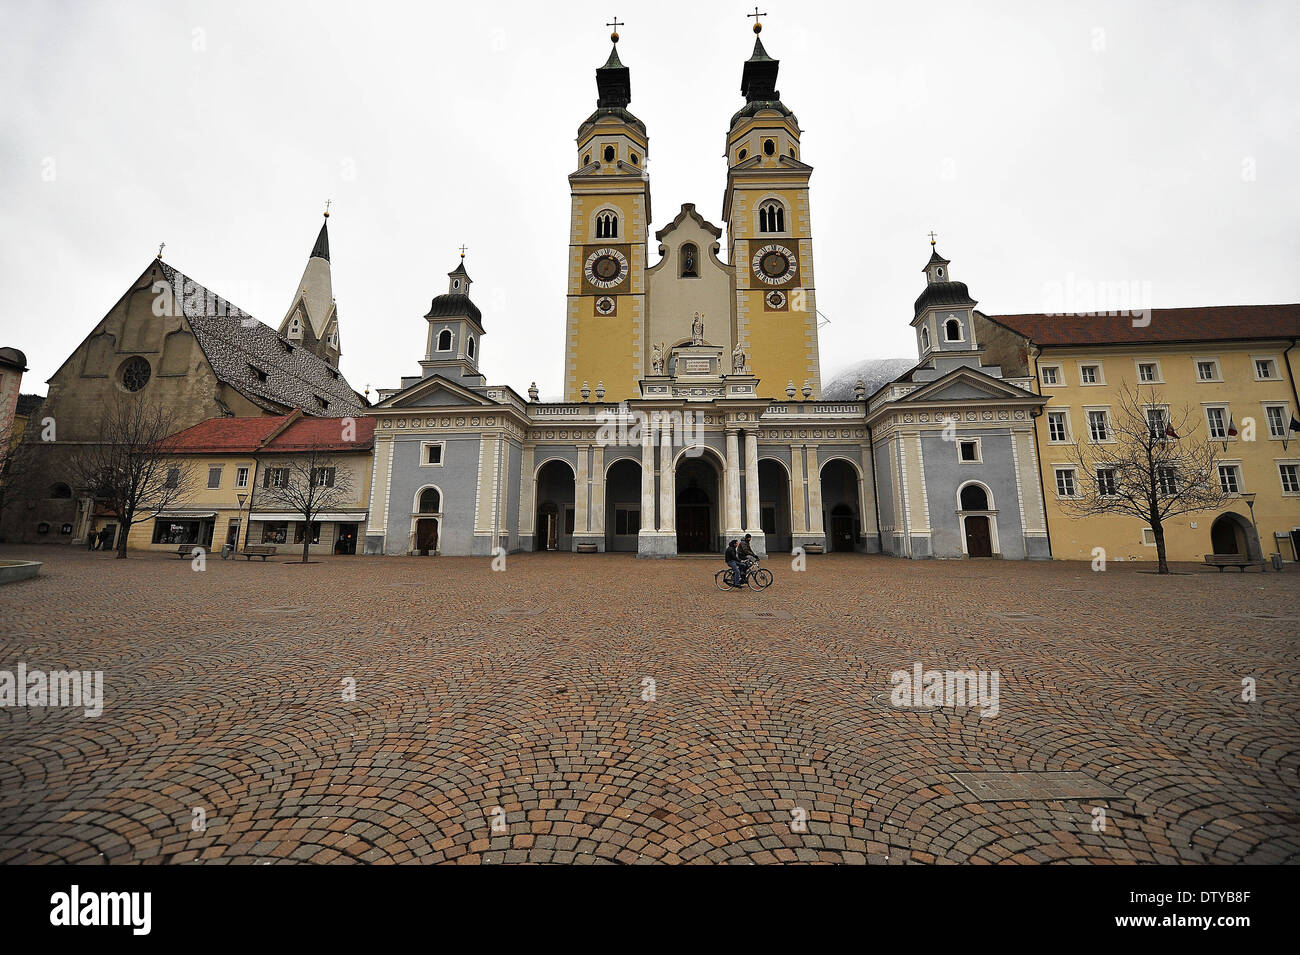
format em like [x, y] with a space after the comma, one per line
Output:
[667, 506]
[732, 481]
[647, 478]
[753, 520]
[815, 525]
[798, 508]
[527, 492]
[581, 491]
[598, 492]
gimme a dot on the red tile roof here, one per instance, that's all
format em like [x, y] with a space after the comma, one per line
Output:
[263, 434]
[1212, 323]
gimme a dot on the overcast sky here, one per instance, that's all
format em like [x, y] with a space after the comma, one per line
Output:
[1061, 151]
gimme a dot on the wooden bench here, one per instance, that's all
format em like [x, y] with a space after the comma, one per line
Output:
[1240, 561]
[187, 550]
[258, 550]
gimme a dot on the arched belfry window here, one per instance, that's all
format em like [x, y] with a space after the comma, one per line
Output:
[952, 330]
[444, 340]
[607, 226]
[469, 347]
[690, 259]
[771, 217]
[925, 338]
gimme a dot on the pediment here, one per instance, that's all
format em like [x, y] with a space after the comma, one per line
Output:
[966, 384]
[435, 392]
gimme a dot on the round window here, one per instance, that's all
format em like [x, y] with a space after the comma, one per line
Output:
[742, 154]
[135, 373]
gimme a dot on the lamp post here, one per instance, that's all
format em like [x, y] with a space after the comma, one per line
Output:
[1249, 498]
[242, 498]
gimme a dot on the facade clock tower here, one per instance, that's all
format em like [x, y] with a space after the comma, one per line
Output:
[609, 218]
[770, 234]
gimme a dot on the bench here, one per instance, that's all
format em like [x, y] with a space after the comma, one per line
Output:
[187, 550]
[258, 550]
[1240, 561]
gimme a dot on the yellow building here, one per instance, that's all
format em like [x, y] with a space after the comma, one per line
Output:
[754, 312]
[1231, 369]
[233, 462]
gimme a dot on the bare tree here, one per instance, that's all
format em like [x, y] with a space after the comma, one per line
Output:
[130, 469]
[307, 483]
[19, 475]
[1145, 460]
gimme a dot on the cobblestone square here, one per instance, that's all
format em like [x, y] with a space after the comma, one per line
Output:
[585, 709]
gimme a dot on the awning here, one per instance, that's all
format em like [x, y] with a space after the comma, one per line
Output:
[325, 517]
[186, 515]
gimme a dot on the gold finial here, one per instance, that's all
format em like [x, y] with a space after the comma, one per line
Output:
[758, 27]
[932, 238]
[161, 246]
[463, 250]
[327, 207]
[615, 24]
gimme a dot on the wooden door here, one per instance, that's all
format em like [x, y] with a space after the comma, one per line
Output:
[426, 536]
[693, 529]
[979, 543]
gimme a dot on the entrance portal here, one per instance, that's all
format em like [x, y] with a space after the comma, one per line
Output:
[697, 506]
[426, 536]
[1233, 534]
[979, 542]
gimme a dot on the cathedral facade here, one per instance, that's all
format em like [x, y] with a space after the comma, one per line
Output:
[693, 410]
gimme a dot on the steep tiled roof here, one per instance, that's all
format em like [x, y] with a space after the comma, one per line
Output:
[270, 433]
[1211, 323]
[238, 346]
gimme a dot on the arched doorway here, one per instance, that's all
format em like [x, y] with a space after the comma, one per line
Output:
[774, 505]
[426, 519]
[622, 505]
[975, 512]
[1233, 534]
[696, 482]
[555, 499]
[841, 504]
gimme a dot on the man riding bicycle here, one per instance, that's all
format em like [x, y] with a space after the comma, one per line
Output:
[732, 557]
[745, 553]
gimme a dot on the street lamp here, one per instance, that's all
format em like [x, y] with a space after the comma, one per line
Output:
[1249, 498]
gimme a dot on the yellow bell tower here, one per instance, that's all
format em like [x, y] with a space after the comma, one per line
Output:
[770, 231]
[608, 222]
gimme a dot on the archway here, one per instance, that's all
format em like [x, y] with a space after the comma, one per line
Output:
[555, 498]
[976, 515]
[698, 513]
[1233, 534]
[774, 505]
[622, 505]
[841, 503]
[426, 521]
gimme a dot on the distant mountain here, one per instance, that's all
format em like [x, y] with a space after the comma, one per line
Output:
[874, 372]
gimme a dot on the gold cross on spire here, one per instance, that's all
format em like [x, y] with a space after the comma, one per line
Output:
[615, 24]
[161, 246]
[758, 27]
[932, 238]
[327, 207]
[463, 250]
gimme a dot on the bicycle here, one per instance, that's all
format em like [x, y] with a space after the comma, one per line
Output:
[756, 577]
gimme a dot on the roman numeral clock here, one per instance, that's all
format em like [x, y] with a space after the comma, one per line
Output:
[775, 268]
[605, 269]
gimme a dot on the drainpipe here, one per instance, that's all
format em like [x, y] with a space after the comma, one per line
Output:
[1038, 454]
[252, 495]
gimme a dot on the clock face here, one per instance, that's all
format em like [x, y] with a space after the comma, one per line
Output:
[775, 300]
[606, 268]
[774, 264]
[605, 305]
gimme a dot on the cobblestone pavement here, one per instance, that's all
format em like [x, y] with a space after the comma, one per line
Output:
[519, 699]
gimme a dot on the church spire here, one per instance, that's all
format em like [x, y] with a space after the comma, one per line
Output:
[613, 80]
[312, 318]
[758, 81]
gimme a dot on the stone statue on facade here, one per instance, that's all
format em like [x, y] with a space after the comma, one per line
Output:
[737, 360]
[697, 330]
[657, 359]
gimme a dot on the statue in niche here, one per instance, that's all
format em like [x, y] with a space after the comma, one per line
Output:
[657, 359]
[737, 360]
[697, 330]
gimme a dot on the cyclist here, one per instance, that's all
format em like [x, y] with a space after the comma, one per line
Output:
[745, 552]
[732, 557]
